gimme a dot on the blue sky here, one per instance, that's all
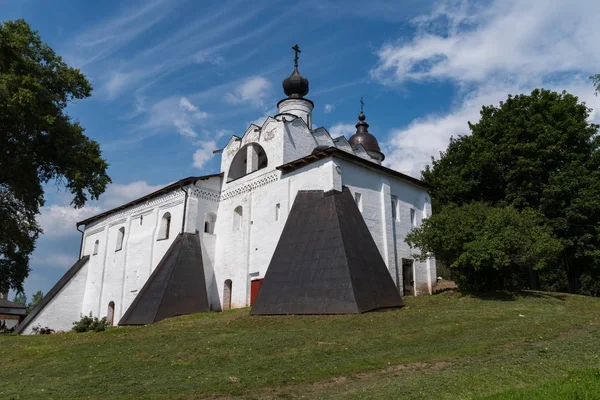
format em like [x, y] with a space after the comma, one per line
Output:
[173, 79]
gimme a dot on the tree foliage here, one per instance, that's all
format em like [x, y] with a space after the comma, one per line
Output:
[490, 247]
[596, 80]
[20, 298]
[534, 152]
[39, 142]
[35, 299]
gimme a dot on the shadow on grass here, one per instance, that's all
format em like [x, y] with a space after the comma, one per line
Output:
[514, 295]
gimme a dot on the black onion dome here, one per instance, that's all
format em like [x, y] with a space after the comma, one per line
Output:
[364, 138]
[295, 86]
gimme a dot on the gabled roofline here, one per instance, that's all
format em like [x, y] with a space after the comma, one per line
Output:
[335, 152]
[169, 188]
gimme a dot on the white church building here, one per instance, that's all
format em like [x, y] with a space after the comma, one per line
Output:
[211, 238]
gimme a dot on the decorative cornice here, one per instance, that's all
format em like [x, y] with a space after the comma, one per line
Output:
[242, 188]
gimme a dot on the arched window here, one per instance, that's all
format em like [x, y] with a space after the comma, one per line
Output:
[209, 223]
[120, 237]
[238, 213]
[227, 295]
[96, 244]
[165, 226]
[248, 159]
[110, 315]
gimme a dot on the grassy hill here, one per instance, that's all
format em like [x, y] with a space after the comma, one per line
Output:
[532, 345]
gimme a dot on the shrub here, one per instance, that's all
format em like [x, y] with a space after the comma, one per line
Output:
[88, 323]
[38, 330]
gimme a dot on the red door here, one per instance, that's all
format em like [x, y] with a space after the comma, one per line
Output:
[254, 288]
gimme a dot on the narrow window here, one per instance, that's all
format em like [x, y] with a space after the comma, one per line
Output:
[141, 219]
[120, 237]
[227, 295]
[395, 208]
[413, 217]
[237, 218]
[110, 315]
[165, 226]
[96, 244]
[277, 208]
[357, 199]
[210, 220]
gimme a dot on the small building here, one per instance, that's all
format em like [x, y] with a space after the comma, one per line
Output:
[11, 313]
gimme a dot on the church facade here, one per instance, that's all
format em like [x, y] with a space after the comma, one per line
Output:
[230, 223]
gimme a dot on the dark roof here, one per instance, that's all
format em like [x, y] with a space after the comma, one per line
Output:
[326, 262]
[166, 189]
[10, 304]
[335, 152]
[176, 287]
[52, 293]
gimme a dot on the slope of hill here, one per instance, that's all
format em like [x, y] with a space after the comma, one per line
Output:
[528, 345]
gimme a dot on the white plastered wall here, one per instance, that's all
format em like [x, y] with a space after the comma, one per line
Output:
[65, 308]
[376, 191]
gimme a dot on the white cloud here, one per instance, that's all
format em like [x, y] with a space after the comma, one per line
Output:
[205, 56]
[178, 112]
[341, 129]
[253, 91]
[488, 52]
[118, 194]
[205, 152]
[467, 41]
[329, 108]
[60, 221]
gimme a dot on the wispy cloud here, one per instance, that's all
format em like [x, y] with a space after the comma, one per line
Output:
[329, 108]
[341, 129]
[204, 153]
[488, 52]
[108, 36]
[253, 91]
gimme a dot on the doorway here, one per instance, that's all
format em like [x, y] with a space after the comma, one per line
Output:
[408, 279]
[227, 295]
[254, 289]
[110, 315]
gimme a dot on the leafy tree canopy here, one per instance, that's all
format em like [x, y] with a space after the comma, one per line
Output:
[596, 80]
[490, 247]
[535, 152]
[35, 299]
[39, 142]
[20, 298]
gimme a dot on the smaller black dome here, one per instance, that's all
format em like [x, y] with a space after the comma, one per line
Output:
[295, 86]
[364, 138]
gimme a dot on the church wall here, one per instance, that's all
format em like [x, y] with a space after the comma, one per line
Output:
[95, 269]
[244, 254]
[65, 308]
[376, 191]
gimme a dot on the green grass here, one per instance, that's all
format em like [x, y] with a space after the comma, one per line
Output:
[528, 346]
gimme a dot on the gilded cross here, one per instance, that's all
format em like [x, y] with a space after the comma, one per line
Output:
[297, 50]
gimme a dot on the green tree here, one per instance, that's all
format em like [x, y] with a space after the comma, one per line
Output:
[39, 142]
[487, 248]
[20, 298]
[596, 80]
[35, 299]
[536, 152]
